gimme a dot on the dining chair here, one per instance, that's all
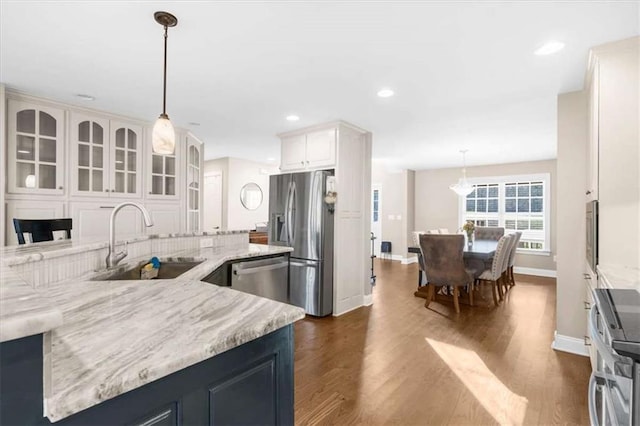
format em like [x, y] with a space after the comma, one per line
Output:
[416, 237]
[494, 274]
[444, 265]
[41, 229]
[489, 233]
[443, 230]
[504, 276]
[512, 258]
[433, 231]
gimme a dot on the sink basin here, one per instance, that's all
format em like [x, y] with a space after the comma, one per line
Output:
[169, 268]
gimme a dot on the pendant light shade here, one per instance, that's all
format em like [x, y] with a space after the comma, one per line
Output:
[462, 188]
[163, 138]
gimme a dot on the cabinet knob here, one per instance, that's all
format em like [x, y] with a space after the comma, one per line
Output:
[307, 161]
[150, 192]
[113, 190]
[106, 190]
[302, 162]
[60, 187]
[588, 192]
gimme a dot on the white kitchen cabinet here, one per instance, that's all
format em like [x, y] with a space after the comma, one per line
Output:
[91, 220]
[593, 134]
[309, 151]
[25, 209]
[614, 171]
[165, 216]
[163, 172]
[194, 183]
[591, 283]
[35, 157]
[125, 160]
[105, 156]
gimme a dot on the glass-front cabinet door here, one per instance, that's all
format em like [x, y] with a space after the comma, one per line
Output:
[193, 184]
[89, 155]
[125, 159]
[163, 172]
[35, 149]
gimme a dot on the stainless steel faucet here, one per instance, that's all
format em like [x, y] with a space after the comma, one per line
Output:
[114, 258]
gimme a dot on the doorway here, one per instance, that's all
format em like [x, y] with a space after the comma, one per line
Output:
[212, 206]
[376, 222]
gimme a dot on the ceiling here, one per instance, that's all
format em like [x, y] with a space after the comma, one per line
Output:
[464, 73]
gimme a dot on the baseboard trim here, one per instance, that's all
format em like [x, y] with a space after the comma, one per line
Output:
[409, 260]
[368, 299]
[535, 271]
[569, 344]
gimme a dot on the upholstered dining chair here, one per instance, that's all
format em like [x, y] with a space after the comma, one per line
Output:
[443, 230]
[444, 265]
[41, 229]
[489, 233]
[512, 258]
[504, 276]
[494, 274]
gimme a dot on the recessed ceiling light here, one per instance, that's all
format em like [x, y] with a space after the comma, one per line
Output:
[24, 151]
[292, 118]
[549, 47]
[271, 159]
[86, 97]
[385, 93]
[193, 123]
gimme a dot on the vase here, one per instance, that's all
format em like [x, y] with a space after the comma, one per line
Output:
[469, 239]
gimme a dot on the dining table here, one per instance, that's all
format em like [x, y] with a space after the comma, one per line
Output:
[478, 249]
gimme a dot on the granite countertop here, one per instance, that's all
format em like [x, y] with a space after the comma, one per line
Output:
[120, 335]
[109, 337]
[23, 310]
[617, 276]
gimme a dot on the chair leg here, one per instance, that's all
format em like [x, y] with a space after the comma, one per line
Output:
[498, 284]
[470, 287]
[494, 291]
[430, 295]
[456, 303]
[513, 279]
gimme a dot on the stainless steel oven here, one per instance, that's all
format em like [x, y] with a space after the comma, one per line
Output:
[592, 234]
[614, 386]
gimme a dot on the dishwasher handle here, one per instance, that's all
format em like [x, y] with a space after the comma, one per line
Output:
[239, 270]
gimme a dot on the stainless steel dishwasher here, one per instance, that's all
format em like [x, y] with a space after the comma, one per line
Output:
[263, 277]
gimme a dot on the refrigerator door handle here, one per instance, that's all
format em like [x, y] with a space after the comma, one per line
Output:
[287, 218]
[291, 214]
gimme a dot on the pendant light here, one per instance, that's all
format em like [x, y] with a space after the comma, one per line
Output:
[462, 188]
[164, 137]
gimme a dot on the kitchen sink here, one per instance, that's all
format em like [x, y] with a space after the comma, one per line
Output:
[169, 268]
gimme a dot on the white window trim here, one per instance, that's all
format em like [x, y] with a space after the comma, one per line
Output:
[545, 178]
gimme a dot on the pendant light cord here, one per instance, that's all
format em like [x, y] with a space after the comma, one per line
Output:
[164, 92]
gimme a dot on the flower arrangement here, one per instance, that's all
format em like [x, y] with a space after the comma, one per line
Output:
[469, 227]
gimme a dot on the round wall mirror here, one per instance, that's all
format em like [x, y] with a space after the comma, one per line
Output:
[251, 196]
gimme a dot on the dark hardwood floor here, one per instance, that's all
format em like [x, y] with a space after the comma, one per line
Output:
[398, 363]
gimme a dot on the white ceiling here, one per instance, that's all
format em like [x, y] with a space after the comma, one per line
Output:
[464, 73]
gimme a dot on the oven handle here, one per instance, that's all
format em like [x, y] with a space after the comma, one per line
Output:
[594, 381]
[605, 351]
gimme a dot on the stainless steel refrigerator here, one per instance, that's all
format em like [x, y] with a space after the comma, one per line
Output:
[299, 218]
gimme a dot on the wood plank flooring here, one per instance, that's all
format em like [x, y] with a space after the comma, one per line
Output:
[398, 363]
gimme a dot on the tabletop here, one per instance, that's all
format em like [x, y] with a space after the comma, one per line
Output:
[480, 249]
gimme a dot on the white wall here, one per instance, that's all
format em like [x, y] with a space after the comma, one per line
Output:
[437, 205]
[236, 173]
[572, 180]
[397, 188]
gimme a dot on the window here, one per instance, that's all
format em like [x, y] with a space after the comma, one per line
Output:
[376, 204]
[517, 203]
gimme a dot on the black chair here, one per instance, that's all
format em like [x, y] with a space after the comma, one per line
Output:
[41, 229]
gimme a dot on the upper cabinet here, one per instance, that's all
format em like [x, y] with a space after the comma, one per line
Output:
[613, 84]
[308, 151]
[35, 157]
[163, 173]
[105, 157]
[194, 183]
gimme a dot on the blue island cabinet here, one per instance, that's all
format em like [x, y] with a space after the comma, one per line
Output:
[251, 384]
